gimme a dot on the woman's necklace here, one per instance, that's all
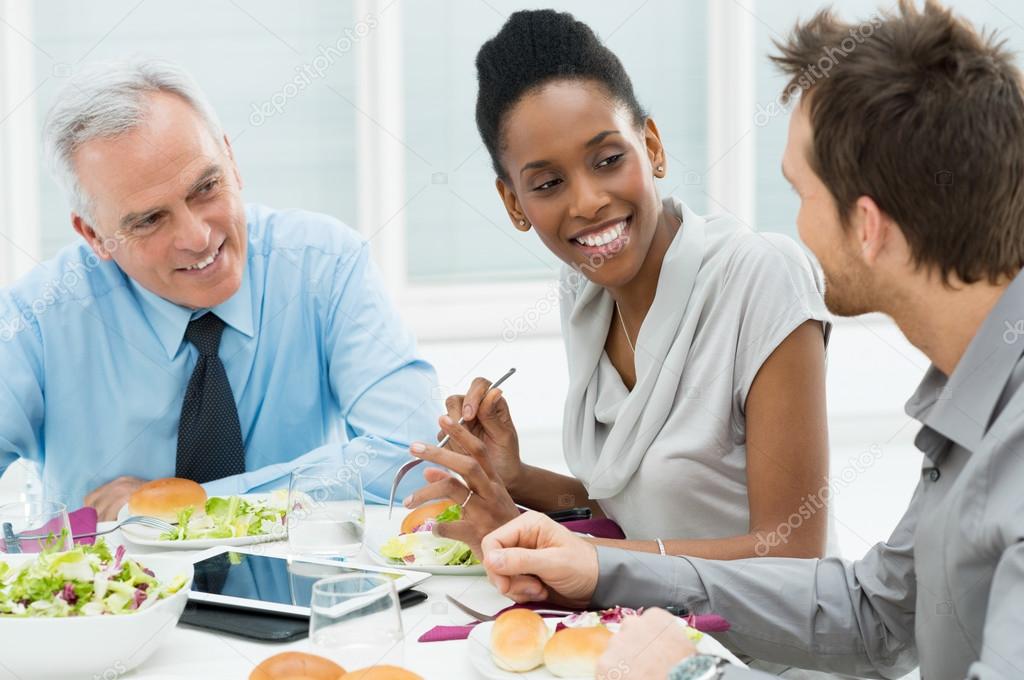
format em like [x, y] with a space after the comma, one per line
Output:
[624, 331]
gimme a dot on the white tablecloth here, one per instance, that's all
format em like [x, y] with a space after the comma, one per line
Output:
[196, 654]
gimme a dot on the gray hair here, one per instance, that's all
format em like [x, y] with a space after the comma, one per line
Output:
[106, 100]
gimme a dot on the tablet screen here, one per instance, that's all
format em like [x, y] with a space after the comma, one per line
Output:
[267, 579]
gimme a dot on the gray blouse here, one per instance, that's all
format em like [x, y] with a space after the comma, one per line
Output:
[668, 459]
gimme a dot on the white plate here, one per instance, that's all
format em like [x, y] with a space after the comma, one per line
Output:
[378, 533]
[480, 654]
[140, 535]
[441, 570]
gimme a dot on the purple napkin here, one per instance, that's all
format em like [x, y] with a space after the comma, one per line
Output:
[707, 623]
[83, 521]
[601, 527]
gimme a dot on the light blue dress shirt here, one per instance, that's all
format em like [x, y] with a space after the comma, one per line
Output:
[93, 367]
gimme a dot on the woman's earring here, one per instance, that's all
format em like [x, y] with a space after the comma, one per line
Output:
[661, 168]
[522, 223]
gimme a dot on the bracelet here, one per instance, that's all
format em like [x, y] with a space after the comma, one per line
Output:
[661, 546]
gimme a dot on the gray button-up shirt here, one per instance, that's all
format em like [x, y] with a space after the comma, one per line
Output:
[946, 590]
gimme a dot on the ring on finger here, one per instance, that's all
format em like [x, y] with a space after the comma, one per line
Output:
[463, 504]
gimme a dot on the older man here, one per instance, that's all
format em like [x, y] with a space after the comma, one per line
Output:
[908, 160]
[189, 333]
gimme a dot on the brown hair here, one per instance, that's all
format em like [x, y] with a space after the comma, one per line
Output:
[925, 115]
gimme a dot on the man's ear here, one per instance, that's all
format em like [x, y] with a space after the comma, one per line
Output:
[511, 201]
[234, 165]
[86, 231]
[655, 149]
[872, 228]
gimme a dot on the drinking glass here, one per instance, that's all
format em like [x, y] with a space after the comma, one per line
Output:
[34, 525]
[356, 620]
[326, 510]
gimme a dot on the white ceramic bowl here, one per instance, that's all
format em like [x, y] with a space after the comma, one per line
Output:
[91, 646]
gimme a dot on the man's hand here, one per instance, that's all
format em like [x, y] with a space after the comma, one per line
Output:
[534, 558]
[109, 498]
[646, 647]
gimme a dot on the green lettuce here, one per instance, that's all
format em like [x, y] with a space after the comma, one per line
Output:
[425, 549]
[229, 517]
[84, 581]
[453, 513]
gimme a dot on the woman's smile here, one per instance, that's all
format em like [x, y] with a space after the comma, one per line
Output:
[607, 239]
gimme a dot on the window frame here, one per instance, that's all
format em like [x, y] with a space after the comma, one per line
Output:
[455, 311]
[435, 311]
[21, 235]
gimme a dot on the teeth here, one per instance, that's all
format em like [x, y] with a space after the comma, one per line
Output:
[603, 237]
[205, 263]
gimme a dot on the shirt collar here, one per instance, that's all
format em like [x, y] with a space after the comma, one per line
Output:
[169, 320]
[960, 408]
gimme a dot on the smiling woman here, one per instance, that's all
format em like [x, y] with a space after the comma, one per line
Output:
[695, 416]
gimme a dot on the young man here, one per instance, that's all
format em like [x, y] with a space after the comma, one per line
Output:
[908, 158]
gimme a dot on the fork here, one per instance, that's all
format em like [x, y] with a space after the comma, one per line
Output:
[11, 542]
[402, 471]
[481, 617]
[142, 520]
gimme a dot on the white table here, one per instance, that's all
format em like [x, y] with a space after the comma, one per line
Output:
[196, 654]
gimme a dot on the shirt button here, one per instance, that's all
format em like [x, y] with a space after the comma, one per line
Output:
[933, 474]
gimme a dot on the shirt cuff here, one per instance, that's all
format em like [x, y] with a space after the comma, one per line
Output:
[634, 579]
[228, 486]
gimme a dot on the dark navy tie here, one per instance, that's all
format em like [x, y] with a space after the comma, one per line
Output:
[209, 436]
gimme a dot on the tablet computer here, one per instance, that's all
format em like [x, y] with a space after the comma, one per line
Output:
[248, 579]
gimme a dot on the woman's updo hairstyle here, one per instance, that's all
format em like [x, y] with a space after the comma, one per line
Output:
[533, 48]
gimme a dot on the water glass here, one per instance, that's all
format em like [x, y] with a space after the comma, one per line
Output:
[34, 525]
[356, 620]
[326, 510]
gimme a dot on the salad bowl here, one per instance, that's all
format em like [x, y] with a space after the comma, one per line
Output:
[104, 644]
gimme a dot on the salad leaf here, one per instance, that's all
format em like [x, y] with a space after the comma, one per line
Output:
[694, 634]
[85, 581]
[217, 507]
[230, 517]
[453, 513]
[427, 550]
[422, 547]
[612, 619]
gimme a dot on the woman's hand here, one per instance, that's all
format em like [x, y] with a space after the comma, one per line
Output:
[646, 647]
[486, 503]
[488, 419]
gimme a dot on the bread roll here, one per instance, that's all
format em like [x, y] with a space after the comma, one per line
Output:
[381, 672]
[423, 513]
[573, 652]
[297, 665]
[517, 640]
[164, 498]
